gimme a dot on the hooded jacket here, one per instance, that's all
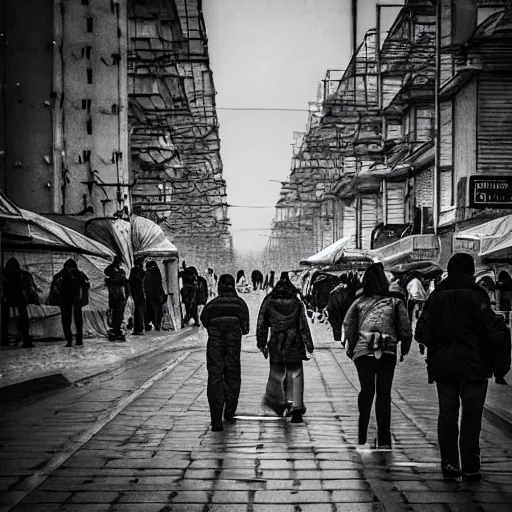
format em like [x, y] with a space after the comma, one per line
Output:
[384, 314]
[69, 286]
[19, 288]
[283, 314]
[465, 339]
[227, 311]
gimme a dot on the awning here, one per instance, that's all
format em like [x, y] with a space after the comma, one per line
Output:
[13, 223]
[408, 249]
[148, 239]
[337, 253]
[492, 239]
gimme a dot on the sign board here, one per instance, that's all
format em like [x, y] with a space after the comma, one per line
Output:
[490, 191]
[466, 245]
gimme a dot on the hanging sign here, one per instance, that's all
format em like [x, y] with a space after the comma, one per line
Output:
[490, 191]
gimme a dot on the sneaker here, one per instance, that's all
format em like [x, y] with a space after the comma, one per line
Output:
[450, 471]
[472, 477]
[67, 345]
[230, 419]
[217, 428]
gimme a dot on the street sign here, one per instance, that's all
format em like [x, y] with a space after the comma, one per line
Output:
[490, 191]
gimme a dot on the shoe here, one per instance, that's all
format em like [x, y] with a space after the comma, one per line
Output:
[79, 344]
[472, 477]
[230, 419]
[28, 346]
[296, 417]
[138, 333]
[450, 471]
[68, 345]
[217, 428]
[384, 447]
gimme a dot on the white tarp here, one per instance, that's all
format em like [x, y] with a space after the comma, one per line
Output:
[336, 253]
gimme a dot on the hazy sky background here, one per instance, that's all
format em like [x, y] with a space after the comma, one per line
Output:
[270, 54]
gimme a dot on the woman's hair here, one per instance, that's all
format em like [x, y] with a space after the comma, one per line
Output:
[375, 281]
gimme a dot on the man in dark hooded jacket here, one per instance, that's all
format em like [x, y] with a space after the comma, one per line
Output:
[339, 302]
[226, 318]
[466, 343]
[283, 314]
[70, 291]
[155, 295]
[118, 291]
[136, 282]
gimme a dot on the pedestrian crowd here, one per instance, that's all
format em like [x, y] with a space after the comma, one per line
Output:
[466, 343]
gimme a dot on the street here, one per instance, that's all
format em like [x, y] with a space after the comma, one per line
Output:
[139, 439]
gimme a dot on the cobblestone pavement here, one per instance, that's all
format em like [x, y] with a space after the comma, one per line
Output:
[139, 440]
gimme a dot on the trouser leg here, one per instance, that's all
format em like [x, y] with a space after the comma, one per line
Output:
[232, 375]
[138, 317]
[24, 325]
[6, 317]
[156, 308]
[473, 399]
[366, 372]
[295, 386]
[275, 393]
[66, 312]
[194, 313]
[117, 317]
[215, 388]
[448, 422]
[79, 324]
[385, 372]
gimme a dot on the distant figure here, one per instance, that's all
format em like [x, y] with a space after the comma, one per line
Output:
[283, 314]
[155, 295]
[211, 279]
[466, 344]
[257, 280]
[271, 280]
[416, 296]
[373, 326]
[70, 291]
[202, 294]
[226, 318]
[504, 294]
[189, 294]
[118, 292]
[19, 290]
[136, 282]
[340, 300]
[242, 285]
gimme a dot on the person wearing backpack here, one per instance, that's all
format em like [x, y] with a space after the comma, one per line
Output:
[466, 344]
[70, 291]
[374, 325]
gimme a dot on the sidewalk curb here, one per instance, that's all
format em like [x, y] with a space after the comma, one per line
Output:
[52, 382]
[498, 420]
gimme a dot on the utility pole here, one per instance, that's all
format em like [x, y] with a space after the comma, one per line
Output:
[354, 26]
[437, 139]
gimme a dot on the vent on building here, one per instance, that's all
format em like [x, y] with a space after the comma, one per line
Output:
[89, 24]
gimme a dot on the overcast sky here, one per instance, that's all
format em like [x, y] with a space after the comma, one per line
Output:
[270, 54]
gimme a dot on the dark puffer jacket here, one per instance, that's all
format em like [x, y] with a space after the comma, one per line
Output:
[340, 300]
[283, 313]
[465, 339]
[226, 312]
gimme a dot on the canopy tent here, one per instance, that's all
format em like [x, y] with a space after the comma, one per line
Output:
[425, 268]
[489, 240]
[336, 254]
[148, 239]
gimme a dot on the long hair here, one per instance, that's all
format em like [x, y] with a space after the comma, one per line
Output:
[375, 281]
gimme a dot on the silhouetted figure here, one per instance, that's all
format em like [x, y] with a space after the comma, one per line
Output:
[282, 313]
[257, 280]
[189, 294]
[155, 295]
[211, 279]
[19, 290]
[373, 326]
[226, 318]
[70, 291]
[466, 344]
[136, 282]
[339, 301]
[118, 292]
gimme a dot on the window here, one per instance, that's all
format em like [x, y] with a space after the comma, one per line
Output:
[89, 76]
[89, 126]
[88, 52]
[89, 24]
[86, 105]
[86, 156]
[114, 108]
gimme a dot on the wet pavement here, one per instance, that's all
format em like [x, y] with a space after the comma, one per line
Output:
[138, 439]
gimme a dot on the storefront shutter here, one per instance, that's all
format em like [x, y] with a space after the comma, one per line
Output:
[396, 210]
[349, 224]
[369, 219]
[494, 123]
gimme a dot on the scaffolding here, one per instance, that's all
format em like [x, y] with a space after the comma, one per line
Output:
[175, 145]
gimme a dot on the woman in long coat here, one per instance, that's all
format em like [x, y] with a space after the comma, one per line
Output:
[283, 314]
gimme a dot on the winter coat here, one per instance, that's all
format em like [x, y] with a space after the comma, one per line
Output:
[368, 316]
[153, 287]
[136, 282]
[69, 286]
[202, 290]
[465, 339]
[227, 312]
[284, 314]
[19, 289]
[117, 285]
[340, 300]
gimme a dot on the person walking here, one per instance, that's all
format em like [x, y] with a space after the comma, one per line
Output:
[373, 326]
[226, 319]
[284, 315]
[190, 294]
[211, 278]
[19, 290]
[466, 343]
[136, 283]
[155, 295]
[118, 292]
[416, 296]
[338, 304]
